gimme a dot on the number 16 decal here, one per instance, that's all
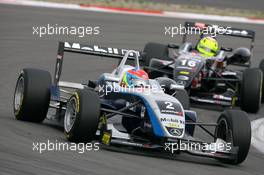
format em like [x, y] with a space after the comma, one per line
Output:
[189, 63]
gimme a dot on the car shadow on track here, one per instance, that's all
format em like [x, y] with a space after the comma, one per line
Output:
[183, 157]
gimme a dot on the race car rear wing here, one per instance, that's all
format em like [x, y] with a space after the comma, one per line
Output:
[219, 30]
[89, 50]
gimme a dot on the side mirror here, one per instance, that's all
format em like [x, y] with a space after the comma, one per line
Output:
[109, 78]
[173, 46]
[112, 79]
[227, 49]
[241, 55]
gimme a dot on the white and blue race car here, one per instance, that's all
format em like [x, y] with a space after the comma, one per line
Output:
[143, 116]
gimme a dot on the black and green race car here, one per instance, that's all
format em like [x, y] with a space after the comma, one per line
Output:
[218, 80]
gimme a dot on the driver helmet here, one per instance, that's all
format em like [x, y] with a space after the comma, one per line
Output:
[134, 78]
[208, 47]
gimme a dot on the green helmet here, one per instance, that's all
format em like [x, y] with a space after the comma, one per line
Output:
[208, 47]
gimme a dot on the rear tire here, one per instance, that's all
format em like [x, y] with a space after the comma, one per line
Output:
[32, 95]
[261, 66]
[251, 90]
[82, 116]
[181, 95]
[234, 127]
[155, 50]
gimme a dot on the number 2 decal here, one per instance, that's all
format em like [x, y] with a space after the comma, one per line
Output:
[169, 105]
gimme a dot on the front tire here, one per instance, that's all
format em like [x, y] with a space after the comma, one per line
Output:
[261, 66]
[234, 127]
[32, 95]
[251, 90]
[82, 116]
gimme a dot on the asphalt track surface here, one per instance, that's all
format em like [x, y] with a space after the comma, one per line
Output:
[19, 48]
[236, 4]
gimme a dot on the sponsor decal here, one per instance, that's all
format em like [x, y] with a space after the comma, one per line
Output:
[229, 73]
[171, 120]
[59, 57]
[183, 67]
[199, 25]
[184, 78]
[175, 131]
[221, 97]
[98, 49]
[106, 138]
[244, 32]
[180, 82]
[184, 72]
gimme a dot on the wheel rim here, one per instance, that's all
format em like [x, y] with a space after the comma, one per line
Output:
[19, 94]
[223, 131]
[70, 114]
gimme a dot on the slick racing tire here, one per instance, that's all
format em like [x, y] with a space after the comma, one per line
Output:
[32, 95]
[181, 95]
[251, 88]
[82, 116]
[155, 50]
[261, 66]
[234, 127]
